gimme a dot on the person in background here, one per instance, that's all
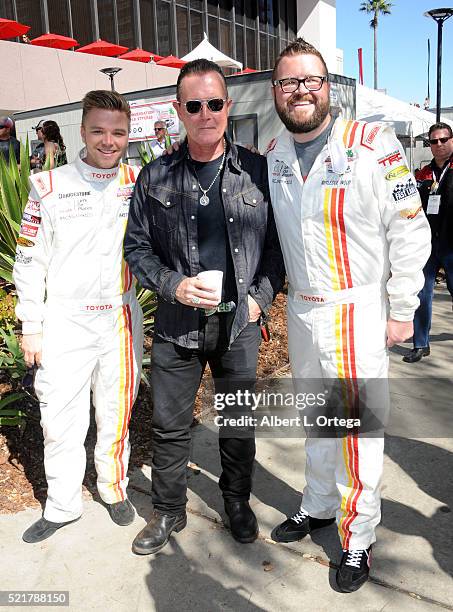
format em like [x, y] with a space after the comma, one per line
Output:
[37, 154]
[7, 140]
[163, 140]
[435, 185]
[54, 147]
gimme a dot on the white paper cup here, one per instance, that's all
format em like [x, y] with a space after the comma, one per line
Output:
[213, 280]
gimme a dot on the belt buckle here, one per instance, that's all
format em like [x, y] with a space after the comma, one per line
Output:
[222, 307]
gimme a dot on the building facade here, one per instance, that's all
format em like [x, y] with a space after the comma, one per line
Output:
[251, 31]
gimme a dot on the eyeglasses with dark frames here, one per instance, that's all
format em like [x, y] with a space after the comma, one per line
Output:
[215, 105]
[292, 84]
[159, 129]
[434, 141]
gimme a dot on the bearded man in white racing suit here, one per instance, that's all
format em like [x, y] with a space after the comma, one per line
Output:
[354, 240]
[88, 331]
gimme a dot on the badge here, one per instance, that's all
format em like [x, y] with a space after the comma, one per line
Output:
[433, 205]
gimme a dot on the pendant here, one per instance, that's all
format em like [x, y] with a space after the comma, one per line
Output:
[204, 200]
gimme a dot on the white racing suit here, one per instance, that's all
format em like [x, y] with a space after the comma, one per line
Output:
[354, 240]
[70, 247]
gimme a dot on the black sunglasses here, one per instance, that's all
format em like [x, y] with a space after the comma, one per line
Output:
[3, 126]
[215, 105]
[443, 140]
[159, 129]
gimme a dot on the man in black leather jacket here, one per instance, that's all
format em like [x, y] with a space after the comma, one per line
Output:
[204, 207]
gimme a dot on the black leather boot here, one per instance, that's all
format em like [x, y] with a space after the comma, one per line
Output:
[156, 534]
[242, 521]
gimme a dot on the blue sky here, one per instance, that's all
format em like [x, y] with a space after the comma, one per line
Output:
[402, 48]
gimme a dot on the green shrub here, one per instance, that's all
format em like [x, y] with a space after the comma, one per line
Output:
[14, 190]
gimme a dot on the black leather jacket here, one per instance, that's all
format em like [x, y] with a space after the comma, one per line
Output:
[161, 241]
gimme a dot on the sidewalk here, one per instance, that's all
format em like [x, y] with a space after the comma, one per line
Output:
[204, 569]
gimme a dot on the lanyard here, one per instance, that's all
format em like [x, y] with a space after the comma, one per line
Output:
[436, 184]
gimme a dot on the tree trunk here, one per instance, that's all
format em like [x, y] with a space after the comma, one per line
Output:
[375, 53]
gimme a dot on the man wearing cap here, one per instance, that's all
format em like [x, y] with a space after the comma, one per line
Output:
[37, 154]
[6, 140]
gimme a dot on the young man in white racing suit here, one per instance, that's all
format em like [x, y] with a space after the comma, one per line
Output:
[354, 240]
[87, 332]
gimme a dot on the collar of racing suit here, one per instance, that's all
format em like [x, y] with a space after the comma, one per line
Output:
[92, 174]
[335, 146]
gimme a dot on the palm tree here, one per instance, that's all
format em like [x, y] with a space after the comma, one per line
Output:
[376, 7]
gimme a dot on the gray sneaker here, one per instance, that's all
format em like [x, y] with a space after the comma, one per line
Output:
[122, 513]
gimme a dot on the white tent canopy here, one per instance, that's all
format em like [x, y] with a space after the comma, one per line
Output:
[408, 120]
[207, 51]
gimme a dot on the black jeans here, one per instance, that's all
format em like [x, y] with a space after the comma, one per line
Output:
[176, 375]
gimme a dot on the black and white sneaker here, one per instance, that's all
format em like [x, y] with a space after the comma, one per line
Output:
[354, 570]
[298, 526]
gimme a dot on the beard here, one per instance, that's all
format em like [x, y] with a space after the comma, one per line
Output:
[322, 108]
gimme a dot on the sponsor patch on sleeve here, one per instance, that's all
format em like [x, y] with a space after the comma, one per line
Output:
[32, 207]
[28, 230]
[410, 213]
[390, 159]
[25, 242]
[21, 258]
[403, 191]
[396, 173]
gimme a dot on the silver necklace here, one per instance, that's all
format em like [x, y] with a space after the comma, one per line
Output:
[204, 200]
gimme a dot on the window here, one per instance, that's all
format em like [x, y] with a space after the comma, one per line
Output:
[225, 7]
[240, 45]
[250, 13]
[81, 21]
[106, 20]
[213, 32]
[196, 4]
[292, 21]
[251, 48]
[163, 28]
[264, 63]
[147, 25]
[213, 7]
[239, 11]
[125, 12]
[196, 28]
[6, 9]
[225, 37]
[29, 13]
[243, 129]
[182, 28]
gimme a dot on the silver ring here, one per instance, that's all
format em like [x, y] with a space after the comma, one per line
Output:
[196, 300]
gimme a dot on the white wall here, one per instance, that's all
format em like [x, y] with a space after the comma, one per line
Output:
[316, 22]
[38, 77]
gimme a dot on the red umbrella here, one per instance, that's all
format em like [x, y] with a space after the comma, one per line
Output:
[102, 47]
[11, 29]
[172, 62]
[55, 41]
[245, 71]
[140, 55]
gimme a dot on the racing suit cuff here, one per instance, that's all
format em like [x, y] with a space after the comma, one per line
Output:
[263, 295]
[31, 327]
[169, 286]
